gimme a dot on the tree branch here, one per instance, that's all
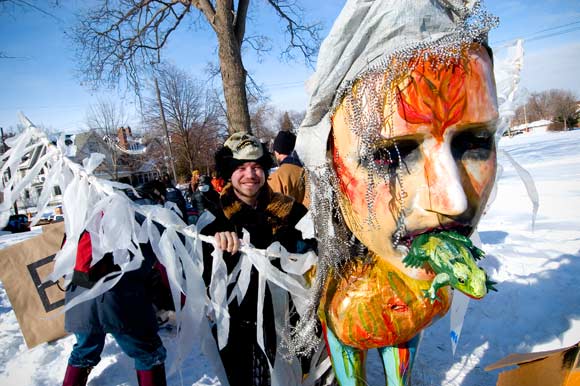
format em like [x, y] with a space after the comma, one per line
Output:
[305, 38]
[240, 20]
[206, 8]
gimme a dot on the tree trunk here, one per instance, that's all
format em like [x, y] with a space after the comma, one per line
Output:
[233, 73]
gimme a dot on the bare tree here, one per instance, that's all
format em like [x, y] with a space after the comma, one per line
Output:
[106, 117]
[286, 123]
[193, 117]
[157, 152]
[297, 117]
[539, 106]
[564, 107]
[264, 119]
[122, 38]
[555, 104]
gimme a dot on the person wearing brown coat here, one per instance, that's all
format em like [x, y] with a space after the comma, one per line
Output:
[290, 177]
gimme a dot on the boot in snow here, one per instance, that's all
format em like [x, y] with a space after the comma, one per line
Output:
[153, 377]
[76, 376]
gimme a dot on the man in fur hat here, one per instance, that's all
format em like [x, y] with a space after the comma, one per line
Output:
[247, 202]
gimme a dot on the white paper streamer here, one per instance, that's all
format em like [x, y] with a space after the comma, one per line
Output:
[528, 182]
[111, 218]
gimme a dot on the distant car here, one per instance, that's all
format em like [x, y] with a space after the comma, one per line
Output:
[45, 219]
[56, 218]
[18, 223]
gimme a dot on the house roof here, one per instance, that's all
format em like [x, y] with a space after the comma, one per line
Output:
[81, 139]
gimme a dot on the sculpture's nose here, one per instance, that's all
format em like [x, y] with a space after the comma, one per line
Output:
[446, 193]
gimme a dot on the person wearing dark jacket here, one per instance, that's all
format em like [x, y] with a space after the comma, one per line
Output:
[174, 195]
[205, 197]
[247, 202]
[125, 311]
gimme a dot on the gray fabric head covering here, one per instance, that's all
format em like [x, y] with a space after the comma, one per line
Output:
[366, 35]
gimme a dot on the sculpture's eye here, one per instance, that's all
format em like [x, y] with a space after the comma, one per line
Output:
[389, 154]
[473, 143]
[461, 280]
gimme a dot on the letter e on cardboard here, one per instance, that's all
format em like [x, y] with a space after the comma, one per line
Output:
[36, 303]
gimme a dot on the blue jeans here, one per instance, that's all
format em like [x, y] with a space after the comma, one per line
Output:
[147, 351]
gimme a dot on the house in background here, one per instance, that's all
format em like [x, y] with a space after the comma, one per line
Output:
[128, 143]
[540, 126]
[126, 160]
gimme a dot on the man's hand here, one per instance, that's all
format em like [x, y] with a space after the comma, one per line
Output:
[227, 241]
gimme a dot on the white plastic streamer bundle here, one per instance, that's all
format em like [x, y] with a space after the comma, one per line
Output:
[508, 63]
[101, 208]
[507, 74]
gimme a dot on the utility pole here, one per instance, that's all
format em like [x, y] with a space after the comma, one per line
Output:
[526, 118]
[8, 169]
[164, 123]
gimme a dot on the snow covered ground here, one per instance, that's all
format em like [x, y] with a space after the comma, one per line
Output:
[537, 307]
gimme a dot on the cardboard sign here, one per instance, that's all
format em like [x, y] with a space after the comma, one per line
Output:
[555, 368]
[23, 267]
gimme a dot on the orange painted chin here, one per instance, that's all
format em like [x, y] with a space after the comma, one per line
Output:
[378, 306]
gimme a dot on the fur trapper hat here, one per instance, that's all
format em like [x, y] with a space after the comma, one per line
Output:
[240, 148]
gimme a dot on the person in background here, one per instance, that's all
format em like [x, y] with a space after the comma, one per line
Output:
[247, 202]
[217, 182]
[205, 197]
[290, 177]
[174, 195]
[194, 180]
[126, 311]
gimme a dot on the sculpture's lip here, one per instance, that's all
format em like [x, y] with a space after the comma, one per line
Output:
[460, 228]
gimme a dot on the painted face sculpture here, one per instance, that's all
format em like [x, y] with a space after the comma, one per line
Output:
[431, 167]
[441, 136]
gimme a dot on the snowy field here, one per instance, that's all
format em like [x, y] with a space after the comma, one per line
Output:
[537, 307]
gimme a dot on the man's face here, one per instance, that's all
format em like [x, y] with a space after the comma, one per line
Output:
[247, 180]
[443, 125]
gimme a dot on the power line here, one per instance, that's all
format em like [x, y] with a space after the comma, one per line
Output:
[284, 85]
[553, 28]
[554, 34]
[531, 37]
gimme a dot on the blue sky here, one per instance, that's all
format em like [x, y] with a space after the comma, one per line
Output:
[40, 81]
